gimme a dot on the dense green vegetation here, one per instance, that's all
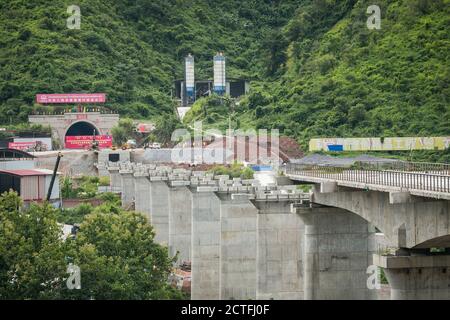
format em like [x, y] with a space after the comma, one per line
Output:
[334, 77]
[236, 170]
[27, 129]
[132, 50]
[316, 69]
[74, 215]
[85, 187]
[114, 250]
[216, 112]
[164, 126]
[124, 130]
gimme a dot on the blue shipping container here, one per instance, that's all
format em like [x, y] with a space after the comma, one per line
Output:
[335, 147]
[262, 168]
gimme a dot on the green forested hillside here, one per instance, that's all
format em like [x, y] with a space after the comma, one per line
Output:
[354, 81]
[337, 78]
[130, 49]
[316, 69]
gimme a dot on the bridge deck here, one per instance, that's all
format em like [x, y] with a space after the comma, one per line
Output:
[433, 184]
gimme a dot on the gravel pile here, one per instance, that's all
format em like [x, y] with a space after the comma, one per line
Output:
[73, 163]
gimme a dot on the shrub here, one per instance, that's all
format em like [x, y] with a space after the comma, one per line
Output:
[104, 181]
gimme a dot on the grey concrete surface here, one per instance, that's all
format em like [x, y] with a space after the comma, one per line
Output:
[280, 252]
[238, 248]
[206, 229]
[339, 247]
[127, 188]
[417, 277]
[159, 210]
[247, 241]
[142, 198]
[422, 220]
[61, 123]
[180, 219]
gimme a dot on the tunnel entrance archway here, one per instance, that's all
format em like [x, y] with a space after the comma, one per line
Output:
[82, 128]
[81, 135]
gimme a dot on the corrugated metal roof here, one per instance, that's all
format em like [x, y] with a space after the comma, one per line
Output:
[29, 172]
[12, 154]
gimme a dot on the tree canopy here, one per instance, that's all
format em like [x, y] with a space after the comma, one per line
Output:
[114, 249]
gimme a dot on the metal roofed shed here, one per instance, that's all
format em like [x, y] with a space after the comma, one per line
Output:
[30, 184]
[7, 154]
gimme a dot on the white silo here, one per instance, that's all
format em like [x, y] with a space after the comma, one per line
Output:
[190, 77]
[219, 74]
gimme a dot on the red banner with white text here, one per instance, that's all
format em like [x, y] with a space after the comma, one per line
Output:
[71, 98]
[85, 142]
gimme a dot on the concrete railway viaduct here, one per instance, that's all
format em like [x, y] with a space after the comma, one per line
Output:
[408, 202]
[247, 241]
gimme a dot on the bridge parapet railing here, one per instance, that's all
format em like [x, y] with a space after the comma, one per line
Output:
[404, 175]
[405, 166]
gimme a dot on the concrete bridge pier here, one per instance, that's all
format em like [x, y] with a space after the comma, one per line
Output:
[180, 209]
[417, 277]
[205, 251]
[127, 187]
[339, 247]
[142, 201]
[280, 251]
[115, 181]
[238, 247]
[159, 209]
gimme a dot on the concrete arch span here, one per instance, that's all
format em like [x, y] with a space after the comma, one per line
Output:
[438, 242]
[412, 223]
